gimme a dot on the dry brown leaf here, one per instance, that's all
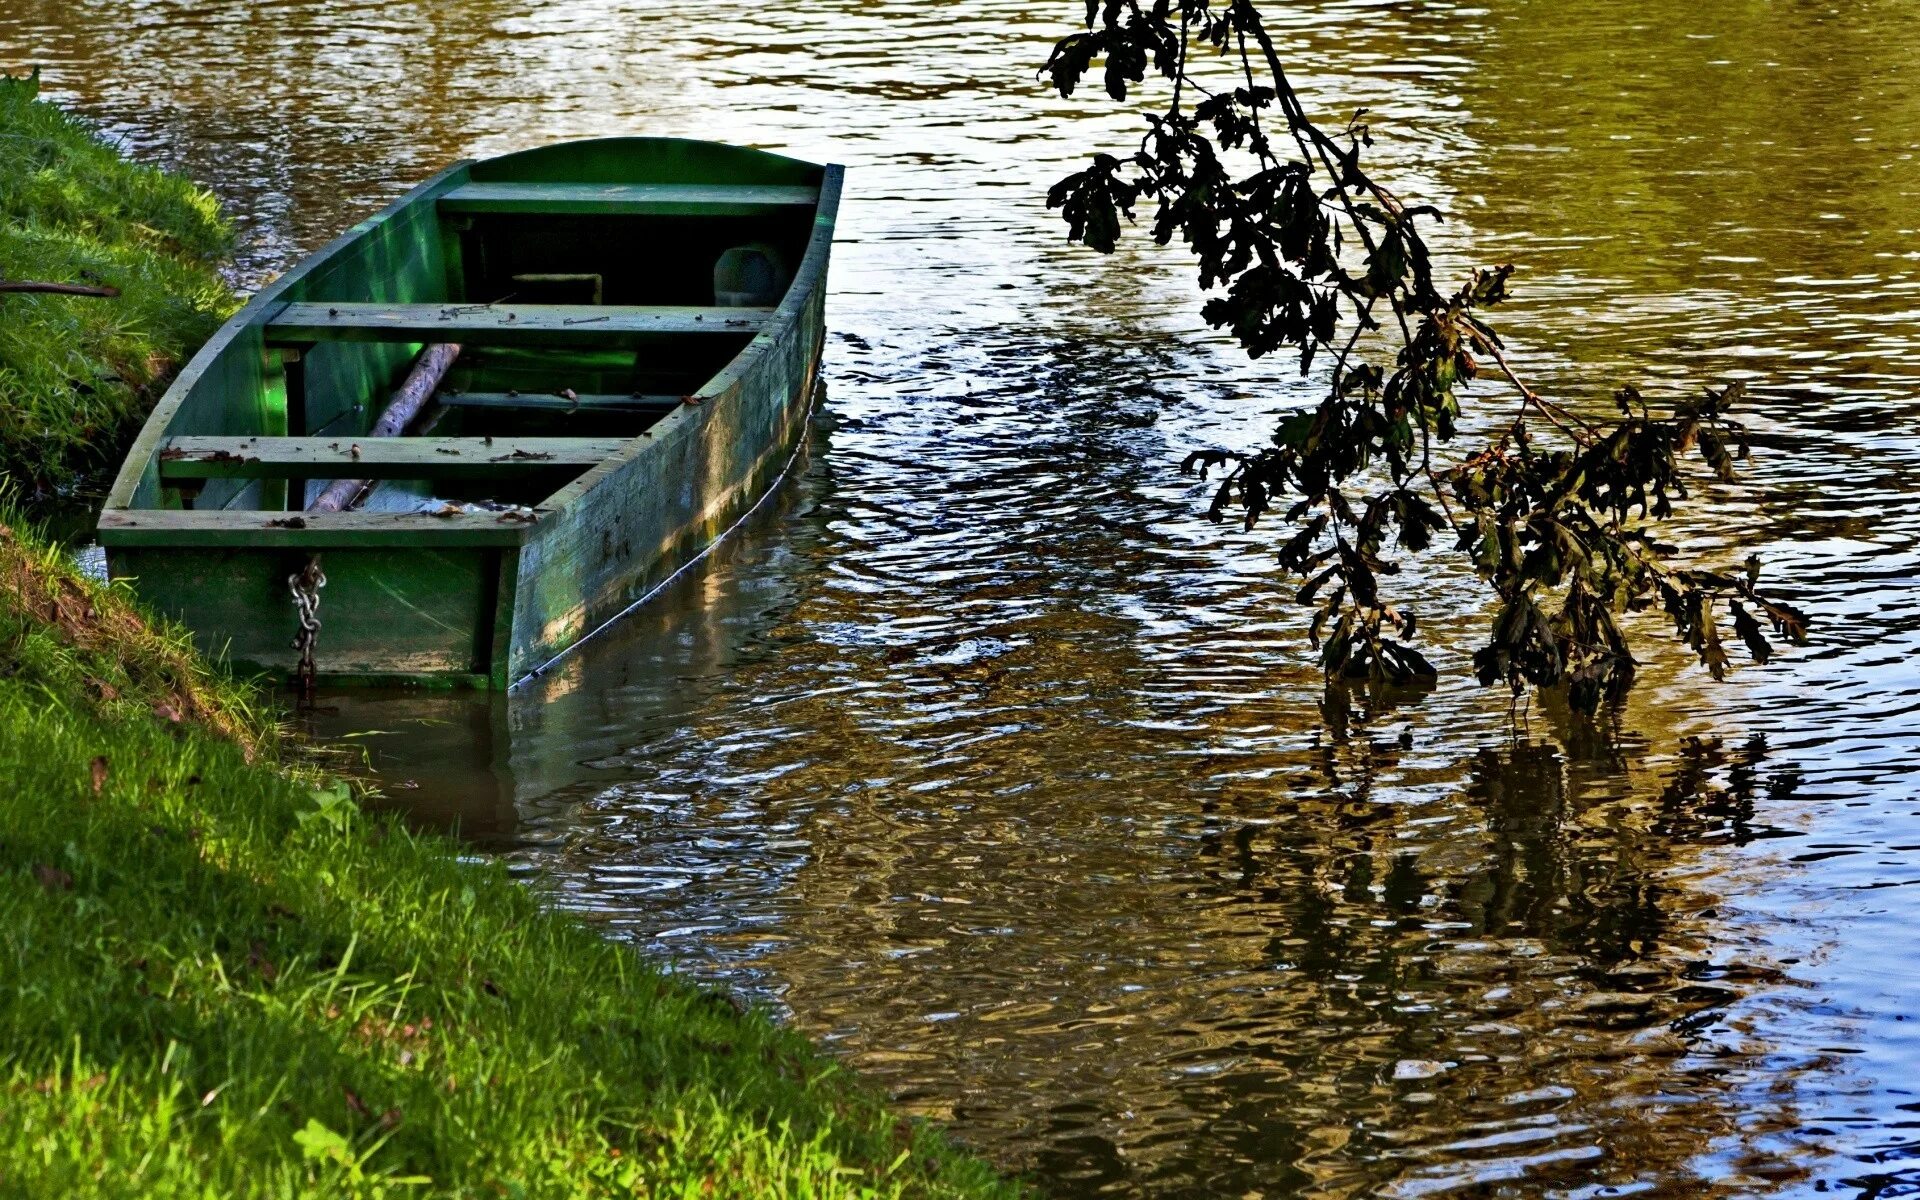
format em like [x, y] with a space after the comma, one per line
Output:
[52, 878]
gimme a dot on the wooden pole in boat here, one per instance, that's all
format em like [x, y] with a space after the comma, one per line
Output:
[421, 383]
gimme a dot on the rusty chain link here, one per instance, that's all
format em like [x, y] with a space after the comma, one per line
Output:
[305, 584]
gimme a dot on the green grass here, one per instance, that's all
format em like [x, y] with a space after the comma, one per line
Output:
[220, 977]
[77, 374]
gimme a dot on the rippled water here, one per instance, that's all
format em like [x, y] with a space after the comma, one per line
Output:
[995, 766]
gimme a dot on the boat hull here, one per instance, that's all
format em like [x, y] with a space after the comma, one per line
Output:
[646, 518]
[476, 599]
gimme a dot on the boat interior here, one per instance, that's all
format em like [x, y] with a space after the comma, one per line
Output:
[592, 287]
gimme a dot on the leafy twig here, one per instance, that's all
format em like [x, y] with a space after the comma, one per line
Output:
[1550, 518]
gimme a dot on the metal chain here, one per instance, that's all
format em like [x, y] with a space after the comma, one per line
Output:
[305, 584]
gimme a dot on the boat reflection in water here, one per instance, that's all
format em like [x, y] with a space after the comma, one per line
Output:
[1099, 906]
[1004, 771]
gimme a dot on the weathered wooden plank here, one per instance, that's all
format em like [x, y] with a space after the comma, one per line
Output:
[277, 396]
[632, 199]
[498, 644]
[615, 533]
[446, 599]
[262, 528]
[423, 379]
[403, 611]
[374, 458]
[595, 401]
[500, 325]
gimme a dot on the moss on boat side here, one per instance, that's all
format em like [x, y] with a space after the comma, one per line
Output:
[77, 374]
[218, 976]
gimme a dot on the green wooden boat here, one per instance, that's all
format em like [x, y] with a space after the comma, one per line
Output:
[640, 323]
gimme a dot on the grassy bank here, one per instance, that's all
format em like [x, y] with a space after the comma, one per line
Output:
[218, 977]
[77, 374]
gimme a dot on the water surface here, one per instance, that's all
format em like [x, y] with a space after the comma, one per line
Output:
[982, 755]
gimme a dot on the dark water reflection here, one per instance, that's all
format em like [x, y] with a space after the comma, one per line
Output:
[999, 769]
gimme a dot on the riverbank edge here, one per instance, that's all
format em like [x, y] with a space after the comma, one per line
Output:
[79, 373]
[220, 976]
[225, 978]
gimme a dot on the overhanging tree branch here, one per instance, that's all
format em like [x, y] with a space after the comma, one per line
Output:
[1294, 248]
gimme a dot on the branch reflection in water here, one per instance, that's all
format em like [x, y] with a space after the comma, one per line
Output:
[1134, 915]
[995, 764]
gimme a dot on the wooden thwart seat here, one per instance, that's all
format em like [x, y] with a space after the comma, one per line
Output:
[584, 402]
[587, 325]
[228, 528]
[374, 458]
[632, 199]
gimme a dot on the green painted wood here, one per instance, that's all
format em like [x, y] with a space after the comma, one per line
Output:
[628, 199]
[624, 527]
[400, 260]
[375, 458]
[453, 252]
[277, 413]
[546, 370]
[422, 613]
[502, 325]
[261, 528]
[475, 599]
[596, 401]
[499, 636]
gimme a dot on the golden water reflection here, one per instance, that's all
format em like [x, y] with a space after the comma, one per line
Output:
[991, 763]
